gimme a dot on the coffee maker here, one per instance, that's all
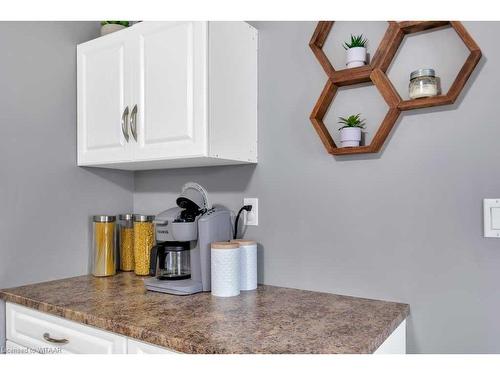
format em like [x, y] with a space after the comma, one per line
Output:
[180, 260]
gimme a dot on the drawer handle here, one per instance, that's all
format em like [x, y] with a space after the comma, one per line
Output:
[46, 337]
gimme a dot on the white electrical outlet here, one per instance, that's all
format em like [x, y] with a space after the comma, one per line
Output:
[491, 217]
[252, 217]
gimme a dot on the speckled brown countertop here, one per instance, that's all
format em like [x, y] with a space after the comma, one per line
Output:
[268, 320]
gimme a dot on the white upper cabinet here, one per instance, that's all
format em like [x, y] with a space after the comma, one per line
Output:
[168, 95]
[103, 96]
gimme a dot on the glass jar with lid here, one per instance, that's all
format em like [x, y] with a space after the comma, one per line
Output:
[126, 242]
[144, 240]
[103, 249]
[423, 84]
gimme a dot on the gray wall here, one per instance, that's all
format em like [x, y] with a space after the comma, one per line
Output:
[403, 225]
[45, 199]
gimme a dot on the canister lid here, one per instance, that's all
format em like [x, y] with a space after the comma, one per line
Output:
[224, 245]
[126, 217]
[104, 218]
[243, 242]
[143, 218]
[428, 72]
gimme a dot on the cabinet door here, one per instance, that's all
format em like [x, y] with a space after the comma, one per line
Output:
[170, 90]
[103, 97]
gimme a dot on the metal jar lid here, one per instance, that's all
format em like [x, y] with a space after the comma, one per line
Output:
[143, 218]
[104, 218]
[422, 73]
[126, 217]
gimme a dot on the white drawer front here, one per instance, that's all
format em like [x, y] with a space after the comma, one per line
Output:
[139, 347]
[27, 327]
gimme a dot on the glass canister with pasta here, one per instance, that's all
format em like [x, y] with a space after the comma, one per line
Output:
[126, 242]
[144, 239]
[104, 251]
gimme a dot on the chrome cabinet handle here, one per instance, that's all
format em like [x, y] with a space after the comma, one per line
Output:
[46, 337]
[125, 123]
[133, 122]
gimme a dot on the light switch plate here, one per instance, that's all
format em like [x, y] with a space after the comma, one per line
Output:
[252, 217]
[491, 209]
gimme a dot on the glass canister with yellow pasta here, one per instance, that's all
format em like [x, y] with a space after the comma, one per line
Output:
[126, 242]
[104, 251]
[144, 238]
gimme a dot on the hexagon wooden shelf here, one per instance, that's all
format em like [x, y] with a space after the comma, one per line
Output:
[375, 73]
[345, 77]
[410, 27]
[388, 93]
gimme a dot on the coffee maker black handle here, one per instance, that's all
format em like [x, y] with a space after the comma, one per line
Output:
[153, 260]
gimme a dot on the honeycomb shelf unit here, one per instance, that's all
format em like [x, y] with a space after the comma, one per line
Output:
[375, 73]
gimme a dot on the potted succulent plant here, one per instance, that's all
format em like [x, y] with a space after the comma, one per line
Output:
[355, 51]
[108, 27]
[350, 132]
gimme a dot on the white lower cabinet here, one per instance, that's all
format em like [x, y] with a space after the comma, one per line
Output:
[49, 334]
[31, 331]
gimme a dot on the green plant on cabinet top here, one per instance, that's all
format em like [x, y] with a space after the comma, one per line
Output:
[122, 23]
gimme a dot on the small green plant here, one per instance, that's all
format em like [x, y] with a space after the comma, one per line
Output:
[353, 121]
[356, 41]
[123, 23]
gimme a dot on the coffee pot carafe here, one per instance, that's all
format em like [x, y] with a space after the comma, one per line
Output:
[171, 260]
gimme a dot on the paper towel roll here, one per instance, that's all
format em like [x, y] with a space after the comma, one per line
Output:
[225, 259]
[248, 264]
